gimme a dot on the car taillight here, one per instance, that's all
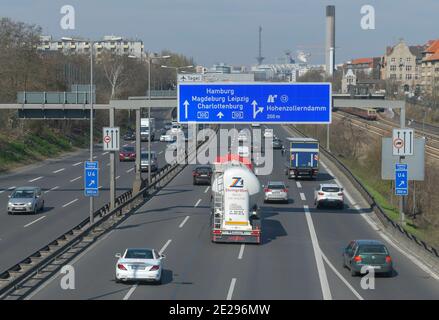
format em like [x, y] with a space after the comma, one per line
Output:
[121, 154]
[216, 231]
[285, 190]
[357, 259]
[194, 174]
[321, 194]
[340, 193]
[255, 232]
[388, 259]
[154, 268]
[267, 190]
[121, 267]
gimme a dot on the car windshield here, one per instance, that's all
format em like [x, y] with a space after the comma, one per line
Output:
[330, 189]
[276, 186]
[203, 170]
[139, 254]
[128, 149]
[23, 194]
[372, 249]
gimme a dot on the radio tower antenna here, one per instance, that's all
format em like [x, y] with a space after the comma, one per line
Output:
[260, 58]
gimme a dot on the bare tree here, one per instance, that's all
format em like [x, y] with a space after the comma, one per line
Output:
[114, 67]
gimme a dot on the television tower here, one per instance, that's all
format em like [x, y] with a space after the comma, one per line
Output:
[260, 58]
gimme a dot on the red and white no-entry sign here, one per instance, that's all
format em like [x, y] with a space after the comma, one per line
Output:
[398, 143]
[107, 139]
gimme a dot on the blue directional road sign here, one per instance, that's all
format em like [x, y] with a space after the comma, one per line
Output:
[401, 179]
[254, 102]
[91, 179]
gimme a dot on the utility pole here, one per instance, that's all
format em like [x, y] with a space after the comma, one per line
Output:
[112, 167]
[91, 125]
[401, 158]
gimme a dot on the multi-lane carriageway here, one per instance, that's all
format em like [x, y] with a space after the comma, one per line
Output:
[299, 258]
[65, 204]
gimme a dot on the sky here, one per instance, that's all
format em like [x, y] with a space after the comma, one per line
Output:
[213, 31]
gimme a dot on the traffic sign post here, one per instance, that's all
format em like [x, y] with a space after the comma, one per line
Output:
[302, 103]
[91, 179]
[111, 138]
[402, 142]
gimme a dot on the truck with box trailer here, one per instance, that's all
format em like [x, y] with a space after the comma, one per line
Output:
[147, 129]
[302, 158]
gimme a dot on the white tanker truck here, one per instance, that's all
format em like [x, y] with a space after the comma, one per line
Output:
[235, 214]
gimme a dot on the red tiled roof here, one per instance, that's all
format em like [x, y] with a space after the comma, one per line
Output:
[433, 49]
[362, 60]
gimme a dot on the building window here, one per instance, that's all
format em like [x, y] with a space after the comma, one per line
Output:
[408, 68]
[392, 68]
[393, 76]
[409, 59]
[393, 59]
[408, 76]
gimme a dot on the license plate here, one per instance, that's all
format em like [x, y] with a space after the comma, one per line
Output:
[19, 209]
[375, 267]
[137, 268]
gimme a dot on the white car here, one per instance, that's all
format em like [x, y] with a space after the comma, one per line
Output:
[268, 133]
[276, 191]
[140, 264]
[168, 138]
[243, 136]
[329, 194]
[244, 151]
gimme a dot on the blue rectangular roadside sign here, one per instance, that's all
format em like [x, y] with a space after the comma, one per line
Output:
[401, 179]
[91, 179]
[302, 103]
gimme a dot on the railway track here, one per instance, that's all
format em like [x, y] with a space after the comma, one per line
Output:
[383, 128]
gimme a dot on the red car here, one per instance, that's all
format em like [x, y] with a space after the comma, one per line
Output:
[127, 154]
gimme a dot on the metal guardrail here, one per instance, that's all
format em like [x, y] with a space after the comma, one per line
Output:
[376, 208]
[14, 278]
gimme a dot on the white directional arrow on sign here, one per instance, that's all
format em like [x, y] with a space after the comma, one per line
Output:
[186, 104]
[220, 115]
[258, 110]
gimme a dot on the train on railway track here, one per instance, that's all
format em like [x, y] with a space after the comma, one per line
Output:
[368, 114]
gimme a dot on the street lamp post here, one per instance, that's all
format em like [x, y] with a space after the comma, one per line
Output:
[91, 125]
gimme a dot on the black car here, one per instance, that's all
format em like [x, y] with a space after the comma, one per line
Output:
[202, 175]
[129, 136]
[277, 143]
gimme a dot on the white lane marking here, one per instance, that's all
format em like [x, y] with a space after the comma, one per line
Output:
[105, 153]
[160, 152]
[60, 170]
[338, 274]
[318, 256]
[31, 223]
[165, 246]
[67, 204]
[76, 164]
[77, 178]
[130, 292]
[231, 288]
[117, 177]
[11, 188]
[36, 179]
[207, 189]
[241, 251]
[128, 171]
[54, 188]
[184, 221]
[95, 157]
[134, 287]
[299, 185]
[198, 202]
[302, 196]
[100, 187]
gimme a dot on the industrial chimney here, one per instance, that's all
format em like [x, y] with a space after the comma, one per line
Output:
[330, 40]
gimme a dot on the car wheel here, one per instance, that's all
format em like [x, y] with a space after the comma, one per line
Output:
[10, 213]
[116, 280]
[159, 281]
[389, 274]
[353, 272]
[343, 264]
[35, 210]
[42, 207]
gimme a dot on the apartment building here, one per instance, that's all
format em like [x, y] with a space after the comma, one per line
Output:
[401, 64]
[114, 44]
[429, 75]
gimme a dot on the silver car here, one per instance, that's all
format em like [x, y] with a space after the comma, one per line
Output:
[26, 199]
[145, 162]
[276, 191]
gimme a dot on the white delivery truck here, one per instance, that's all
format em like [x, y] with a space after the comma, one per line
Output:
[147, 128]
[235, 214]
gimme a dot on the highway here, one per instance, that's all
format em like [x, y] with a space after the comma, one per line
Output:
[299, 258]
[65, 204]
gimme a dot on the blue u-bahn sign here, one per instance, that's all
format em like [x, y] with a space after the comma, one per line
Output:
[254, 102]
